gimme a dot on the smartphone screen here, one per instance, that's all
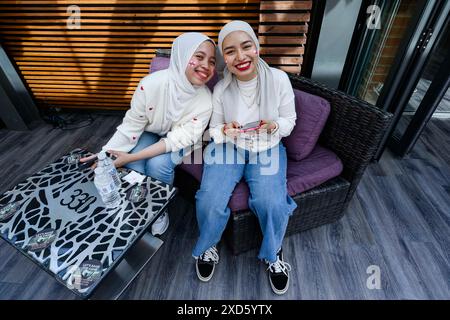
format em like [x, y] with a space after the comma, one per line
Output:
[250, 126]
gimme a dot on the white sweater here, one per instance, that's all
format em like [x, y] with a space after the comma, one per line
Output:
[147, 114]
[285, 120]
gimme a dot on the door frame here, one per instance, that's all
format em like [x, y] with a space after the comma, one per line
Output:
[410, 61]
[434, 95]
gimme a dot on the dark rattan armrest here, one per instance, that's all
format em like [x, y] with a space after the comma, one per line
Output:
[353, 129]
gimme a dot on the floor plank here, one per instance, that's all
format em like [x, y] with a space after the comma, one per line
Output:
[399, 220]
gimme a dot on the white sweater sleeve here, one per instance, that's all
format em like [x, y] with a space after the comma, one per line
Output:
[286, 112]
[127, 134]
[187, 134]
[217, 118]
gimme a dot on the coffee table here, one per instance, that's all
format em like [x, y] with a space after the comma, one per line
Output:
[58, 220]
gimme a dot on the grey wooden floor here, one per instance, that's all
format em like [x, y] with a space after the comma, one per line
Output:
[398, 220]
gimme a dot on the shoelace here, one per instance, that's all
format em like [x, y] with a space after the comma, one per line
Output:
[210, 255]
[279, 266]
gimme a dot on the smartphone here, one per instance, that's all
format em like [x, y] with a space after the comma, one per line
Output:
[250, 126]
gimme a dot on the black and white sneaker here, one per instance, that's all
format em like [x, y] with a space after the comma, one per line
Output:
[279, 274]
[206, 264]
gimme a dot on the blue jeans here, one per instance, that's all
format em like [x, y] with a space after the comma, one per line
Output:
[161, 167]
[268, 198]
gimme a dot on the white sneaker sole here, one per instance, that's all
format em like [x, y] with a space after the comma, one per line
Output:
[161, 232]
[279, 292]
[200, 277]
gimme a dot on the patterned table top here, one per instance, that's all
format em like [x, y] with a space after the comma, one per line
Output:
[57, 219]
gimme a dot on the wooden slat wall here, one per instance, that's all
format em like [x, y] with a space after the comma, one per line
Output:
[99, 65]
[283, 26]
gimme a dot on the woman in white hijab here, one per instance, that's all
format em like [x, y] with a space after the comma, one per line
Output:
[169, 111]
[253, 108]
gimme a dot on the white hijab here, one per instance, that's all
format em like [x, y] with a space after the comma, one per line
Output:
[180, 90]
[267, 97]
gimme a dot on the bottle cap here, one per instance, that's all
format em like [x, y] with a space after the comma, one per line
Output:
[101, 155]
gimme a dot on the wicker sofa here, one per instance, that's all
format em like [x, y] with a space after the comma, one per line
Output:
[353, 131]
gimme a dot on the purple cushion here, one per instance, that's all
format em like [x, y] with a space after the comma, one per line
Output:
[161, 63]
[320, 166]
[312, 113]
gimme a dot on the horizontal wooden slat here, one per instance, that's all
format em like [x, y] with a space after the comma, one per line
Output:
[87, 95]
[54, 86]
[183, 8]
[44, 50]
[83, 54]
[73, 33]
[102, 69]
[85, 82]
[138, 28]
[282, 50]
[286, 5]
[303, 28]
[44, 64]
[112, 16]
[71, 90]
[80, 44]
[82, 104]
[283, 60]
[166, 42]
[291, 69]
[177, 21]
[101, 78]
[282, 40]
[161, 35]
[80, 73]
[83, 107]
[285, 17]
[92, 98]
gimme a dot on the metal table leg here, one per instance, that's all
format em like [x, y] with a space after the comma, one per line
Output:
[128, 269]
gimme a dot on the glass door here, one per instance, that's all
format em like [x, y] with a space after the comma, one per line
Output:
[381, 26]
[391, 65]
[431, 96]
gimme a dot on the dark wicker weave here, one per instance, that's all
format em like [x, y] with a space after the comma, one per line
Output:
[353, 131]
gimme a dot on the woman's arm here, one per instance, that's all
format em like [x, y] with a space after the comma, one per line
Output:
[122, 158]
[217, 119]
[181, 137]
[127, 134]
[286, 111]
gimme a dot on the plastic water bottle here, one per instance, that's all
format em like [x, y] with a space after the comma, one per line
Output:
[105, 162]
[106, 188]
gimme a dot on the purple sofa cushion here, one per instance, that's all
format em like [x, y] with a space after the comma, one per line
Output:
[312, 113]
[161, 63]
[320, 166]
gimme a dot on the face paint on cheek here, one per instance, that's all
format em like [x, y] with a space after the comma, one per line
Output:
[192, 63]
[255, 52]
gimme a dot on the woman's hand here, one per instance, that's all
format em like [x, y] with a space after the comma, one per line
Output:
[121, 158]
[232, 129]
[268, 126]
[86, 159]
